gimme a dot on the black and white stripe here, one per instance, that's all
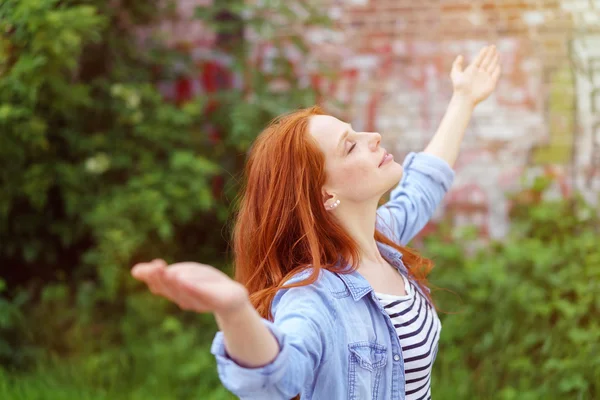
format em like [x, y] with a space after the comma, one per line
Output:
[418, 328]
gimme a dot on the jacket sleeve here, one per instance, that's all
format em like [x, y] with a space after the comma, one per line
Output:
[301, 325]
[412, 203]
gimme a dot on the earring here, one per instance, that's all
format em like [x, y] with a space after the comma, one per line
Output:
[334, 205]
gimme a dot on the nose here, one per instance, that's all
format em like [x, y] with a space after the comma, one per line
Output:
[375, 141]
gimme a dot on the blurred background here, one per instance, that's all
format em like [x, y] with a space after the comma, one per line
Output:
[123, 132]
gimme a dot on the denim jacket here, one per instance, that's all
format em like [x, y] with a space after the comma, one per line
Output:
[335, 339]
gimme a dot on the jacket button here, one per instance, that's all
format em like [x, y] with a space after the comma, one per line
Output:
[396, 357]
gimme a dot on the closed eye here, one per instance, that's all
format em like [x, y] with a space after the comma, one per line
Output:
[352, 148]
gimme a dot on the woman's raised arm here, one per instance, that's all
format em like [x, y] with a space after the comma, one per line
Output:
[471, 86]
[428, 175]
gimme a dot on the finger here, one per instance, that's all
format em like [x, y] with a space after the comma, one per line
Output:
[141, 271]
[489, 56]
[457, 65]
[480, 57]
[187, 299]
[181, 279]
[161, 285]
[493, 64]
[150, 273]
[159, 262]
[183, 298]
[496, 74]
[135, 270]
[201, 288]
[189, 295]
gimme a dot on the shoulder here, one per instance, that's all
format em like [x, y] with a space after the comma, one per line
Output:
[326, 281]
[318, 296]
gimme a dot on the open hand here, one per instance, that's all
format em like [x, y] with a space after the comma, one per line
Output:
[192, 286]
[479, 79]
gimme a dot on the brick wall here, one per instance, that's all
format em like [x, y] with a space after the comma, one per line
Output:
[394, 58]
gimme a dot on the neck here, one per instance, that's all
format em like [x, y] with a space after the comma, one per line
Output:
[359, 221]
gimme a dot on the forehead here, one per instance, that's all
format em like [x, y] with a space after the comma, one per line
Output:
[327, 130]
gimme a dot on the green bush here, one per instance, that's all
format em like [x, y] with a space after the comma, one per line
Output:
[98, 171]
[170, 361]
[523, 315]
[521, 322]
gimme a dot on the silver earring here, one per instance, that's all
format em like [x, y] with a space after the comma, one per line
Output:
[334, 205]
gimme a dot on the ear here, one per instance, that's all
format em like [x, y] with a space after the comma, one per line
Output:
[326, 194]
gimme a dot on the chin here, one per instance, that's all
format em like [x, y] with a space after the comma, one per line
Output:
[398, 171]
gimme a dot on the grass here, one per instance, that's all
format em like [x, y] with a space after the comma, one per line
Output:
[71, 380]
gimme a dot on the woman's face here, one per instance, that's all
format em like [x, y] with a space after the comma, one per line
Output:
[352, 161]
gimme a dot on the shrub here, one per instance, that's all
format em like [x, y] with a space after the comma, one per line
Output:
[99, 170]
[527, 324]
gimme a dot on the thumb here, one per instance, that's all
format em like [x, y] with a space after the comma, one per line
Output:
[457, 65]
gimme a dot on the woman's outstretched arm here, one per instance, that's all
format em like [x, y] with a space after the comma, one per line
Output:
[471, 86]
[202, 288]
[247, 340]
[256, 358]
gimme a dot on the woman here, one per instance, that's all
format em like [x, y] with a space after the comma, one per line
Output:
[327, 301]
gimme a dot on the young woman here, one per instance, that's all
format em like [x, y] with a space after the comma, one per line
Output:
[327, 301]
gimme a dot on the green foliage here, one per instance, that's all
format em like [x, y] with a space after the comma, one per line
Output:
[99, 170]
[94, 163]
[523, 314]
[275, 87]
[148, 350]
[169, 360]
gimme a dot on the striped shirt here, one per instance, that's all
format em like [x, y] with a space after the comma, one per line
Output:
[418, 328]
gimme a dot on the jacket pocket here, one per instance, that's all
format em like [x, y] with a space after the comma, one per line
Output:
[365, 369]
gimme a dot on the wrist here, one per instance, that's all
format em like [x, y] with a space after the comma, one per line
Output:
[462, 98]
[234, 315]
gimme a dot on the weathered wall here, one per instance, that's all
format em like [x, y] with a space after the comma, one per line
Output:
[394, 59]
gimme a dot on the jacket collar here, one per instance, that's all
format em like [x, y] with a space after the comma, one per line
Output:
[358, 286]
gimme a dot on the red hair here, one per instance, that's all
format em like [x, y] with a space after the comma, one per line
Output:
[282, 226]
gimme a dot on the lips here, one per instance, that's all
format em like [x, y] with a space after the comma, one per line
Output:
[385, 153]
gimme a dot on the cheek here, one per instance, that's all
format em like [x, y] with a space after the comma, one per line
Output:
[350, 175]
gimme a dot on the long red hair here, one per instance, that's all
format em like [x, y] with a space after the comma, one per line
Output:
[282, 227]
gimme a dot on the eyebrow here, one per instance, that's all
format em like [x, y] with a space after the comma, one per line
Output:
[344, 136]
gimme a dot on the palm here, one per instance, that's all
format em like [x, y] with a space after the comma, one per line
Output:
[193, 286]
[479, 79]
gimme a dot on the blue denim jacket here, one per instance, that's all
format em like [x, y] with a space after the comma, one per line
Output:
[335, 339]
